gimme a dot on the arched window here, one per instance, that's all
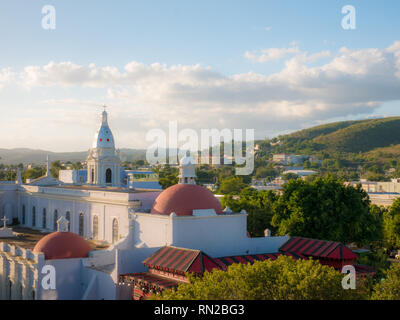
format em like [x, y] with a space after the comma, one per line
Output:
[115, 230]
[68, 217]
[44, 219]
[95, 227]
[108, 176]
[55, 217]
[33, 294]
[23, 214]
[92, 176]
[33, 216]
[81, 224]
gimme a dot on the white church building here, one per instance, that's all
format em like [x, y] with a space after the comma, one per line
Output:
[92, 233]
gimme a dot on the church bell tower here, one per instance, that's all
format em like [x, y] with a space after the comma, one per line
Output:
[103, 162]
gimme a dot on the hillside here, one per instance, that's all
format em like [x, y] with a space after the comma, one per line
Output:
[344, 137]
[25, 156]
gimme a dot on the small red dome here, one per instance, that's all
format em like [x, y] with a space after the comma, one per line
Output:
[63, 245]
[183, 199]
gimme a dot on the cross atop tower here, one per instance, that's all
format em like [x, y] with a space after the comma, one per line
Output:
[104, 115]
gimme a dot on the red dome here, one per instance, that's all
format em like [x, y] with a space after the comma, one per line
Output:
[63, 245]
[183, 199]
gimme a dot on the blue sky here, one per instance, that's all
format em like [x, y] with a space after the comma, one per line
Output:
[56, 110]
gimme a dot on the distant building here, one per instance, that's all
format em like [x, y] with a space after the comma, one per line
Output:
[380, 193]
[286, 159]
[301, 173]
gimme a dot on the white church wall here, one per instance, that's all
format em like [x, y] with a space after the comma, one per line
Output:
[69, 284]
[146, 198]
[106, 213]
[219, 236]
[132, 260]
[105, 286]
[215, 235]
[152, 230]
[8, 202]
[19, 272]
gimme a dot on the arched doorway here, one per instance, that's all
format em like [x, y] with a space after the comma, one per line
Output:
[108, 176]
[115, 231]
[92, 176]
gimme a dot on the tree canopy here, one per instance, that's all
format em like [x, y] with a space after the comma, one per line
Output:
[323, 208]
[392, 226]
[282, 279]
[389, 288]
[326, 209]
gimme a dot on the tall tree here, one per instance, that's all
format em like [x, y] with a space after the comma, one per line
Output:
[259, 207]
[326, 209]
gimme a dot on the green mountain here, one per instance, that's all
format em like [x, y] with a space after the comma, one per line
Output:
[343, 137]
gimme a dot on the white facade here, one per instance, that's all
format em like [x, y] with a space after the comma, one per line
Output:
[113, 215]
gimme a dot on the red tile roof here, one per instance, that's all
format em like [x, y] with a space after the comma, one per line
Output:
[317, 249]
[180, 260]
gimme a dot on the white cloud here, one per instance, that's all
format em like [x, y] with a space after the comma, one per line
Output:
[271, 54]
[349, 82]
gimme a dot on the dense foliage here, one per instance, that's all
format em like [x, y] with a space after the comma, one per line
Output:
[167, 176]
[392, 226]
[282, 279]
[322, 209]
[389, 288]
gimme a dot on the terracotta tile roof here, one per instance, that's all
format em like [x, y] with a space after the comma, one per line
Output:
[181, 260]
[317, 249]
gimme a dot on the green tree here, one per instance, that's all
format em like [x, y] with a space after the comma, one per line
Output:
[232, 185]
[290, 176]
[282, 279]
[55, 168]
[389, 288]
[268, 173]
[259, 208]
[167, 176]
[33, 173]
[392, 226]
[326, 209]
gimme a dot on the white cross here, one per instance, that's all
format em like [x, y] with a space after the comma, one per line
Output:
[4, 221]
